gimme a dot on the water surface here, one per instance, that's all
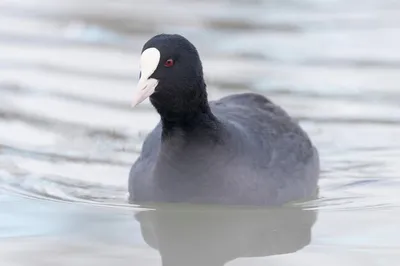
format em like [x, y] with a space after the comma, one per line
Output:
[68, 135]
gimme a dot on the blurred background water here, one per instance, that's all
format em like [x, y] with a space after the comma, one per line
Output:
[68, 135]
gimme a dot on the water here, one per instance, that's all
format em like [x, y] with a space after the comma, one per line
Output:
[68, 135]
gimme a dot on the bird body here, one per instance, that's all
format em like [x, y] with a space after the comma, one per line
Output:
[240, 150]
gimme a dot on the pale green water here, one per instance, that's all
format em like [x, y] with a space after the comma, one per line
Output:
[68, 135]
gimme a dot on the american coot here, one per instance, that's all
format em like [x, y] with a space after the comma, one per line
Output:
[240, 150]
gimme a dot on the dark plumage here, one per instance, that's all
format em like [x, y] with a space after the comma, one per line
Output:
[242, 149]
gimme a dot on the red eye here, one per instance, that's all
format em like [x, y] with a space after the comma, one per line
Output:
[169, 63]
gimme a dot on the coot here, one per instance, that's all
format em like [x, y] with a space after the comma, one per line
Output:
[240, 150]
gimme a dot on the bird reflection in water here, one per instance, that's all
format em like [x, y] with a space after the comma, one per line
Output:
[214, 236]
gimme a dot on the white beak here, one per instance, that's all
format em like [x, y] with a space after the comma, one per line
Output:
[146, 85]
[144, 89]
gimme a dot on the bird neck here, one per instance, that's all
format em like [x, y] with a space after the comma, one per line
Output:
[196, 121]
[188, 113]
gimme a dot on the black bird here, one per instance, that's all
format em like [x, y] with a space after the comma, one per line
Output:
[240, 150]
